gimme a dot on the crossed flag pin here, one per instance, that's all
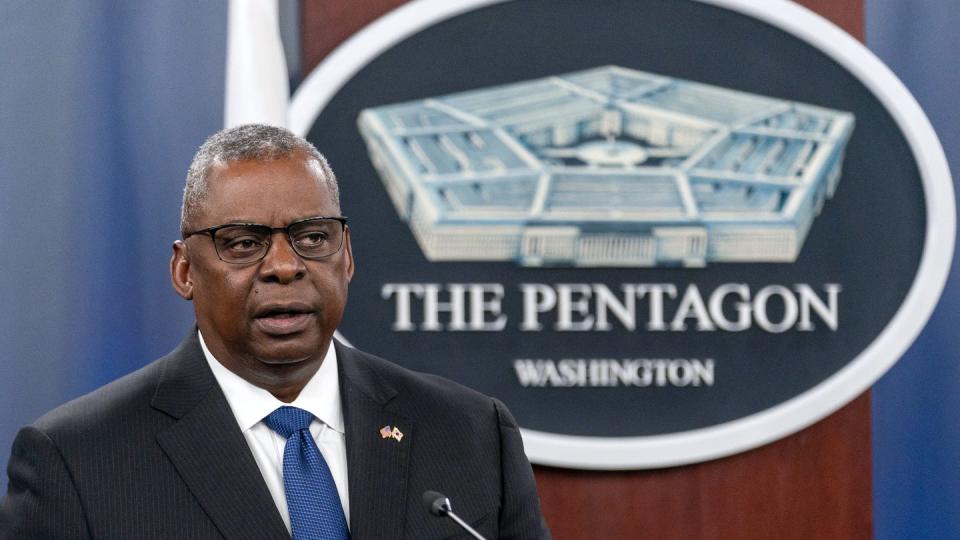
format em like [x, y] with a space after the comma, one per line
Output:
[386, 432]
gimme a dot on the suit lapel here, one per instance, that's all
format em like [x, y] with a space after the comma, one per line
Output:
[209, 451]
[378, 466]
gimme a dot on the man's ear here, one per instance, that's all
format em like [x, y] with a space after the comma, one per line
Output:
[180, 271]
[348, 253]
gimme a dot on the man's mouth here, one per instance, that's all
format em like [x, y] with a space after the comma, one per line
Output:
[283, 319]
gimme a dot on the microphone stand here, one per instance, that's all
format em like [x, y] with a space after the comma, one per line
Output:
[439, 505]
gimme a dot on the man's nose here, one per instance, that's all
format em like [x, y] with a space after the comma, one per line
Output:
[281, 264]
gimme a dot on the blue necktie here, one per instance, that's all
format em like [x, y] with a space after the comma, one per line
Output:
[312, 499]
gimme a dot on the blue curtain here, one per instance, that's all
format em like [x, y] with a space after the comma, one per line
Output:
[916, 406]
[102, 105]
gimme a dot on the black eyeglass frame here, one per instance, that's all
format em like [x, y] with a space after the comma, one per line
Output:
[212, 231]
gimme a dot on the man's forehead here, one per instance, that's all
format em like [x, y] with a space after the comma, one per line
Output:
[290, 171]
[294, 183]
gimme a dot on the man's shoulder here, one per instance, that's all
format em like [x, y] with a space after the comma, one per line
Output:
[425, 391]
[118, 403]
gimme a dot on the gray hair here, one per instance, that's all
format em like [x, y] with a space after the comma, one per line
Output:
[256, 142]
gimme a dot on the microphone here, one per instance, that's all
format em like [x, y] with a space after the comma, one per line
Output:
[439, 505]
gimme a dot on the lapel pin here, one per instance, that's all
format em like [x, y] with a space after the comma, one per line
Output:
[386, 432]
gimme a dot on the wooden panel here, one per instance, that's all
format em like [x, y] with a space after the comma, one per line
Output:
[813, 484]
[847, 14]
[327, 23]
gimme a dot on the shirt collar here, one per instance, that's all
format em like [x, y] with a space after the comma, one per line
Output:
[251, 404]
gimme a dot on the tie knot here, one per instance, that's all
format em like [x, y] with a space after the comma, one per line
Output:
[288, 420]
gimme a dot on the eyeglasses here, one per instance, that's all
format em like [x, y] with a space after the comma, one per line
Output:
[244, 243]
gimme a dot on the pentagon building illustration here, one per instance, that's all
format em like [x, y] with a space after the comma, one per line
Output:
[607, 167]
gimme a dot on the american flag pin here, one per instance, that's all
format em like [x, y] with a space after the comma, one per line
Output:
[388, 432]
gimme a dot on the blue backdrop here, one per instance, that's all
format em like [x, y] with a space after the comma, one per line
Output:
[102, 104]
[916, 405]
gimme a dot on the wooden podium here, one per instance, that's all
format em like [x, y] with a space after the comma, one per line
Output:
[813, 484]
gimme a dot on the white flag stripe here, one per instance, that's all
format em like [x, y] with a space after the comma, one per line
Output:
[257, 88]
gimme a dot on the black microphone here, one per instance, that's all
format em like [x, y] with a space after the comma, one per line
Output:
[439, 505]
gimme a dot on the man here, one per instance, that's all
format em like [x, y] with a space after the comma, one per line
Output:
[259, 424]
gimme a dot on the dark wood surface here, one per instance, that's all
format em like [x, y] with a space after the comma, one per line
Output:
[813, 484]
[327, 23]
[847, 14]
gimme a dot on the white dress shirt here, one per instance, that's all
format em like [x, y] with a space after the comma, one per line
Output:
[320, 397]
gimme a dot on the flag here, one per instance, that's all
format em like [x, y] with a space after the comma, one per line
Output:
[257, 86]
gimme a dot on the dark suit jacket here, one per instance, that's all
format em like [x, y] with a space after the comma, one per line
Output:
[158, 454]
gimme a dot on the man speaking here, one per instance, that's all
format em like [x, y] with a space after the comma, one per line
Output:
[259, 424]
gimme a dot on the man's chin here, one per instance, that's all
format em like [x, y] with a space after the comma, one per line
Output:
[289, 353]
[281, 360]
[289, 356]
[289, 345]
